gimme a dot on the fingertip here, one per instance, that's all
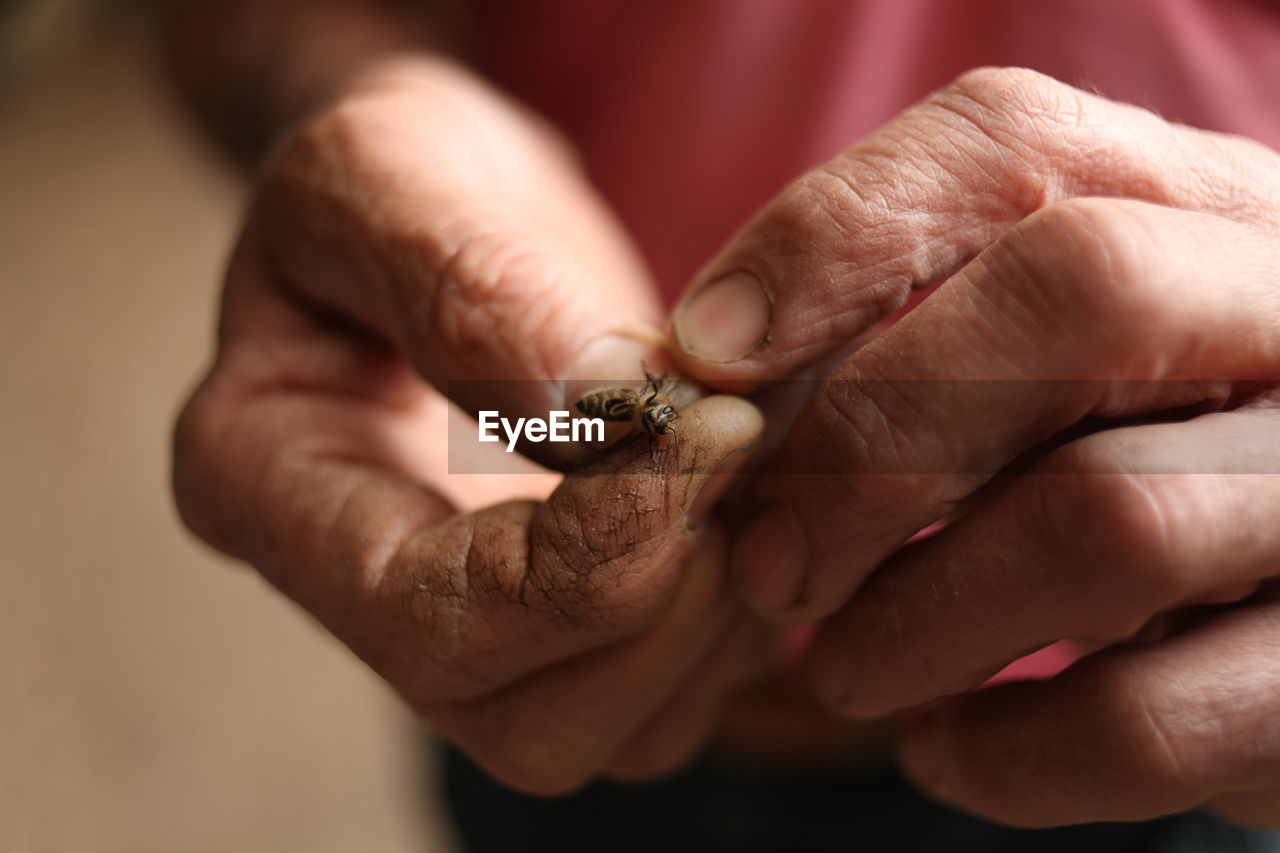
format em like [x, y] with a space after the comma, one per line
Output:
[732, 427]
[722, 425]
[929, 757]
[833, 682]
[922, 755]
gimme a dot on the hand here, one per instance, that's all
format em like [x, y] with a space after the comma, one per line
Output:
[1111, 266]
[420, 230]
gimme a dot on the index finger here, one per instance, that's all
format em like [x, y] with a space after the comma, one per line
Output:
[307, 488]
[1035, 335]
[843, 247]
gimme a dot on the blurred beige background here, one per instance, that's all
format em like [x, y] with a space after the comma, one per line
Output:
[154, 697]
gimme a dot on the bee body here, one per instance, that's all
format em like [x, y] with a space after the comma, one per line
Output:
[647, 407]
[612, 404]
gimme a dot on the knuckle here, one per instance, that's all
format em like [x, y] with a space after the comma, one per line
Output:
[333, 137]
[1024, 130]
[1252, 179]
[859, 428]
[189, 440]
[1000, 98]
[1087, 263]
[195, 438]
[1138, 721]
[999, 83]
[1120, 529]
[371, 115]
[490, 290]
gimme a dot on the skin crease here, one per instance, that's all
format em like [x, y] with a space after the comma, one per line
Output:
[1112, 266]
[417, 227]
[544, 624]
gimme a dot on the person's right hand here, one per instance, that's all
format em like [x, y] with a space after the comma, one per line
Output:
[1090, 400]
[420, 230]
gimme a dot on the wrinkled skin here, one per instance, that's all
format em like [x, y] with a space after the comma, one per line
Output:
[1109, 265]
[423, 229]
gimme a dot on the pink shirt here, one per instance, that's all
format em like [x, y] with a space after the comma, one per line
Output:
[692, 113]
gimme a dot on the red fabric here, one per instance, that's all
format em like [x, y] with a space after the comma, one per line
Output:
[693, 113]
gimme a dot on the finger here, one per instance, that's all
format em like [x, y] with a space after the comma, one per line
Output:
[1127, 734]
[1033, 336]
[303, 452]
[843, 246]
[689, 717]
[449, 607]
[552, 731]
[1100, 537]
[311, 470]
[1259, 807]
[482, 259]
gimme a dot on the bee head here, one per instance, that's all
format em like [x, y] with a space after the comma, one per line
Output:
[660, 414]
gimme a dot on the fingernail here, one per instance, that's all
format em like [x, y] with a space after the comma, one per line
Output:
[770, 559]
[613, 359]
[714, 486]
[725, 321]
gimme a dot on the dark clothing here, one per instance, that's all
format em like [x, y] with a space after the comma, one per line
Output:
[716, 806]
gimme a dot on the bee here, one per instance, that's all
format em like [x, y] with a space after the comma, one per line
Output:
[647, 406]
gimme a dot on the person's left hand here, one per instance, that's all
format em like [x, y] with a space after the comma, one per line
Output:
[424, 236]
[1112, 266]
